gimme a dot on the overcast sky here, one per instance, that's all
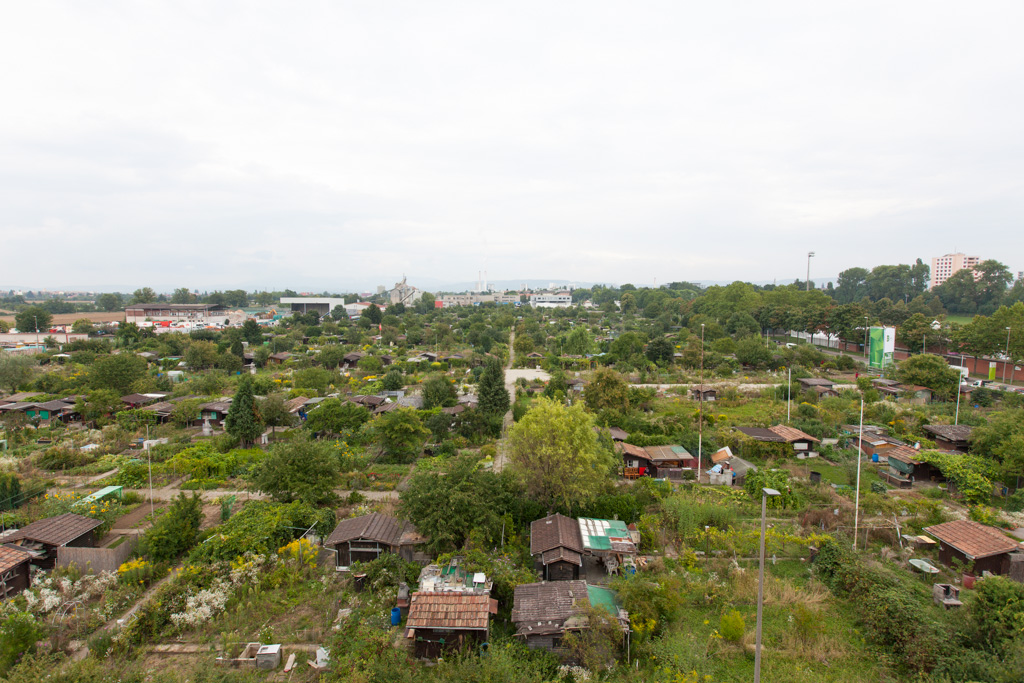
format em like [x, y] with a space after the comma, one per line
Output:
[341, 144]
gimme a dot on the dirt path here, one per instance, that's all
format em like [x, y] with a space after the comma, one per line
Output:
[510, 385]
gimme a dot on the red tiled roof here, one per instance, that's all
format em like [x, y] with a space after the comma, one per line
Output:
[11, 556]
[973, 539]
[791, 434]
[451, 610]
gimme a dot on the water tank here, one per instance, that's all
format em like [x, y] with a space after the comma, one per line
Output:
[396, 616]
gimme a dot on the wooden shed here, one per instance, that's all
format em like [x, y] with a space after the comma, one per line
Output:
[365, 538]
[46, 535]
[445, 622]
[14, 570]
[971, 542]
[557, 547]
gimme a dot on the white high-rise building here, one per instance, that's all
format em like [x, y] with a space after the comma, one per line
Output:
[943, 267]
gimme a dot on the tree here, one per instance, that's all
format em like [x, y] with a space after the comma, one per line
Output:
[117, 372]
[200, 355]
[236, 348]
[331, 356]
[182, 295]
[128, 334]
[929, 371]
[448, 507]
[439, 392]
[98, 404]
[556, 453]
[313, 378]
[491, 390]
[176, 531]
[15, 370]
[19, 633]
[304, 471]
[401, 434]
[577, 342]
[244, 421]
[334, 417]
[145, 295]
[373, 314]
[660, 351]
[33, 319]
[83, 326]
[606, 391]
[275, 412]
[393, 380]
[252, 332]
[111, 301]
[751, 351]
[523, 345]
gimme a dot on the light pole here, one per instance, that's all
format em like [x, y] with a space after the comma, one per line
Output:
[1007, 354]
[860, 453]
[789, 391]
[959, 380]
[809, 255]
[765, 492]
[700, 404]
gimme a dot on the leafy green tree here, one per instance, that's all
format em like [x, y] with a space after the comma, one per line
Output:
[144, 295]
[606, 391]
[111, 301]
[275, 412]
[556, 453]
[336, 417]
[186, 412]
[313, 378]
[660, 350]
[252, 332]
[19, 633]
[929, 371]
[439, 392]
[851, 285]
[752, 351]
[83, 326]
[557, 387]
[373, 314]
[261, 356]
[200, 355]
[237, 349]
[578, 342]
[182, 295]
[393, 380]
[117, 372]
[304, 471]
[331, 356]
[176, 531]
[447, 508]
[33, 319]
[523, 345]
[491, 390]
[10, 491]
[243, 420]
[401, 434]
[15, 370]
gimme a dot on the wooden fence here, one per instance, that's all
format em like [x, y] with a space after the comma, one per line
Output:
[96, 560]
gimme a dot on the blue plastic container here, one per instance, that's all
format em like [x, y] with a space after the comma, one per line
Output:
[396, 616]
[874, 457]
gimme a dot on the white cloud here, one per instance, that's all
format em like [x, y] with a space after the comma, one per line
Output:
[271, 144]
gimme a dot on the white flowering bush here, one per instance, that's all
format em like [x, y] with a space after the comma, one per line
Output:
[50, 592]
[201, 604]
[578, 673]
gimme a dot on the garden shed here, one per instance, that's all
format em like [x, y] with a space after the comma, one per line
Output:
[443, 622]
[46, 535]
[987, 548]
[557, 547]
[365, 538]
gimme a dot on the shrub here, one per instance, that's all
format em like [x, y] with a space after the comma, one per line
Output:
[732, 627]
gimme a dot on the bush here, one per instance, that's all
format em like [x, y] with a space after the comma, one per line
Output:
[732, 627]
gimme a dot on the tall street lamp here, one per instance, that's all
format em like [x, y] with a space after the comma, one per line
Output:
[809, 255]
[865, 336]
[765, 492]
[700, 404]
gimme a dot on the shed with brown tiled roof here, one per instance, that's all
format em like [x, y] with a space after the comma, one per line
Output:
[970, 542]
[46, 535]
[951, 437]
[365, 538]
[443, 622]
[557, 547]
[14, 570]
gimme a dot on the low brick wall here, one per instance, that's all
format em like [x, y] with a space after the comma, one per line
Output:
[96, 560]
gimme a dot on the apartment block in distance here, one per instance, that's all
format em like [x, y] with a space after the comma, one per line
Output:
[943, 267]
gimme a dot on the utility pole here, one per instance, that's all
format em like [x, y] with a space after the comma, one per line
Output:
[1007, 360]
[809, 255]
[700, 404]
